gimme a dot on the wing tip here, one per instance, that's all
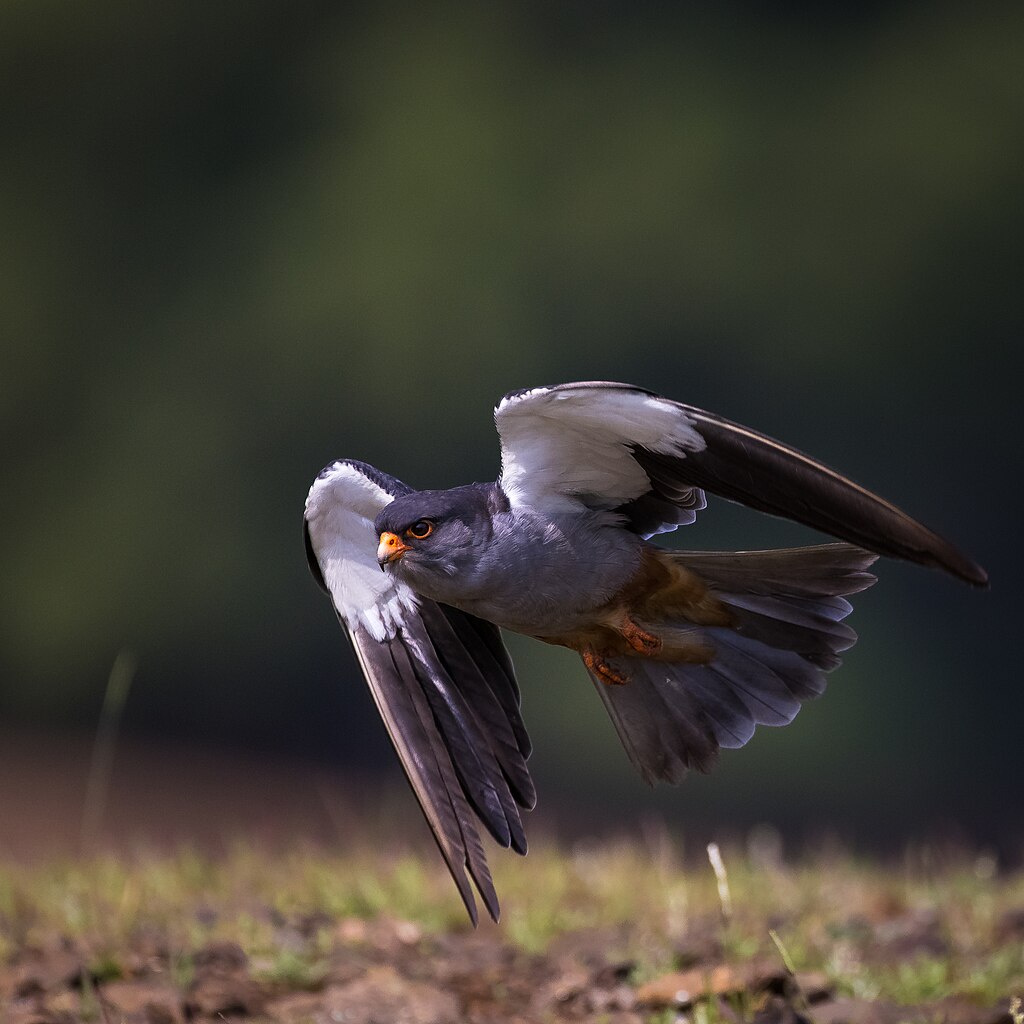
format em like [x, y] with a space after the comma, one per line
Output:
[493, 910]
[969, 571]
[469, 903]
[485, 887]
[481, 880]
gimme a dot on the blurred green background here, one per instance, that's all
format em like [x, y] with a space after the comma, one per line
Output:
[243, 239]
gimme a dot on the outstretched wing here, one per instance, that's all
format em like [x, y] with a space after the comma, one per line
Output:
[619, 448]
[441, 679]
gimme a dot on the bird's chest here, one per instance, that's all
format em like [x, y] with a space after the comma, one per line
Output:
[546, 578]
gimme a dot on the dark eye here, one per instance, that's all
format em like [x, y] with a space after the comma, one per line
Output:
[420, 529]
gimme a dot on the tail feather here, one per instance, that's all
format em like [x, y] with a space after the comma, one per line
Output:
[779, 624]
[788, 607]
[816, 571]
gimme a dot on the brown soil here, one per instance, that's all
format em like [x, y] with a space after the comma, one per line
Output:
[388, 970]
[348, 970]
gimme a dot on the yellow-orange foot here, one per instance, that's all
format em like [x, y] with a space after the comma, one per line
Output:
[639, 639]
[602, 669]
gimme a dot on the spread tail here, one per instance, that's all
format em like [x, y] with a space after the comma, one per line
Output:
[788, 608]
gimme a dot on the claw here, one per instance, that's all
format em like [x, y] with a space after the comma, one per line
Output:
[601, 668]
[639, 639]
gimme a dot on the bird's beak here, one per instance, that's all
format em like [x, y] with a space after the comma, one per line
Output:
[390, 548]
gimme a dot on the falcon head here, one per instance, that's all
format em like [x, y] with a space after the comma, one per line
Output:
[428, 538]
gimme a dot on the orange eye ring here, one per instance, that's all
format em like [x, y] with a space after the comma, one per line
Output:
[421, 529]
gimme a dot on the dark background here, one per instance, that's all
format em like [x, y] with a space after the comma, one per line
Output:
[243, 239]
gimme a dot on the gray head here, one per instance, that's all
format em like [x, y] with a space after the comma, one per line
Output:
[430, 538]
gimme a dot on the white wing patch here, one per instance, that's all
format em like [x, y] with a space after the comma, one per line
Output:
[569, 445]
[340, 509]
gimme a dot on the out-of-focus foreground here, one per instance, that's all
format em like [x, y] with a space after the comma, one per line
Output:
[617, 933]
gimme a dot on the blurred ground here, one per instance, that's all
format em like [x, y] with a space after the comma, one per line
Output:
[613, 933]
[220, 886]
[164, 793]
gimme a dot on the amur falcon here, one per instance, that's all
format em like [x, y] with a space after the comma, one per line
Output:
[688, 650]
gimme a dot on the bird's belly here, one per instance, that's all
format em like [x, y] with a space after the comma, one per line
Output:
[608, 606]
[546, 594]
[543, 620]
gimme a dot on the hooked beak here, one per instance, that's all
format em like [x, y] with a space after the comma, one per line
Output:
[390, 549]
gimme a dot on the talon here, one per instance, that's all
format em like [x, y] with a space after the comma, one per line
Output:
[639, 639]
[601, 668]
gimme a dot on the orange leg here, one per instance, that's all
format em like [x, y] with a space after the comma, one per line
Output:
[639, 639]
[602, 669]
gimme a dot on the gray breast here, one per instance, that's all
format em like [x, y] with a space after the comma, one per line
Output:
[543, 577]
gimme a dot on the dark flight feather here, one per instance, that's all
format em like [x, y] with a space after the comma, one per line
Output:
[398, 695]
[748, 467]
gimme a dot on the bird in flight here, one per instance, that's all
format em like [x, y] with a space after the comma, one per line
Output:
[688, 650]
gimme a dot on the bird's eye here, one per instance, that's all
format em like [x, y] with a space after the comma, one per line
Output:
[420, 529]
